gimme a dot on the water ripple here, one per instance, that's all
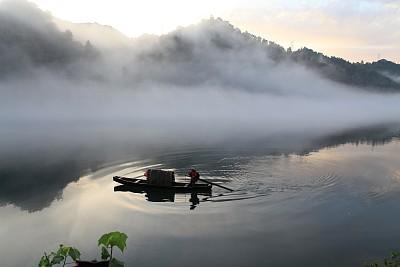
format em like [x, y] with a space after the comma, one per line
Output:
[320, 173]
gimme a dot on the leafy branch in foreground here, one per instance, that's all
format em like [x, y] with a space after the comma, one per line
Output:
[108, 242]
[59, 257]
[393, 261]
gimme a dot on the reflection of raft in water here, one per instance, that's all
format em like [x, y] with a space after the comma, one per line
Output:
[142, 185]
[160, 195]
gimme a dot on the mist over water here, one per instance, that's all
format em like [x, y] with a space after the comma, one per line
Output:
[79, 106]
[206, 82]
[313, 163]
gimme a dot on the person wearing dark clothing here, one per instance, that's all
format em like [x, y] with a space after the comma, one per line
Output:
[194, 176]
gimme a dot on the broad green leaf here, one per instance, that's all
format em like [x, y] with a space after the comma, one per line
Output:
[104, 240]
[119, 240]
[114, 239]
[74, 253]
[66, 251]
[63, 250]
[104, 253]
[116, 263]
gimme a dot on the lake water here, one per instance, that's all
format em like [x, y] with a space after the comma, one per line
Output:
[330, 201]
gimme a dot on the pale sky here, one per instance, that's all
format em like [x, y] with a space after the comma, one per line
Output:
[356, 30]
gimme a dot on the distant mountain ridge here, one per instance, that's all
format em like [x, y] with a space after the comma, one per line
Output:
[380, 75]
[193, 54]
[102, 35]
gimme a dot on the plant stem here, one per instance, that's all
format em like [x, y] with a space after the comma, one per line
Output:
[111, 252]
[65, 259]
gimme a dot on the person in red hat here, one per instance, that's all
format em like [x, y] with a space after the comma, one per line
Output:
[194, 176]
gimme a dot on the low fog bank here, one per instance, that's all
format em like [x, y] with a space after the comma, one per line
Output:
[160, 113]
[203, 84]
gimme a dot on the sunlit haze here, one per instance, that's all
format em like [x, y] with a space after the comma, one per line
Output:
[255, 132]
[355, 30]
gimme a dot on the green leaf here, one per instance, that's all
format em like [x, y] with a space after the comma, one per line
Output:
[116, 263]
[63, 251]
[44, 262]
[74, 253]
[66, 251]
[104, 253]
[57, 259]
[104, 240]
[119, 240]
[114, 239]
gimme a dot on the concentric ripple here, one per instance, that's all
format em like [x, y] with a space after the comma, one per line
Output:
[328, 173]
[250, 176]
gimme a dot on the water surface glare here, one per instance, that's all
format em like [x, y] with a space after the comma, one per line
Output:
[336, 206]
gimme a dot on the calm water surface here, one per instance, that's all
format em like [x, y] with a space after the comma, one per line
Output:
[329, 206]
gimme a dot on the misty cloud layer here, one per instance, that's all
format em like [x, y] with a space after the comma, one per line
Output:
[205, 82]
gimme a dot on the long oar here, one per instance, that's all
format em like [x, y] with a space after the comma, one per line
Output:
[208, 182]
